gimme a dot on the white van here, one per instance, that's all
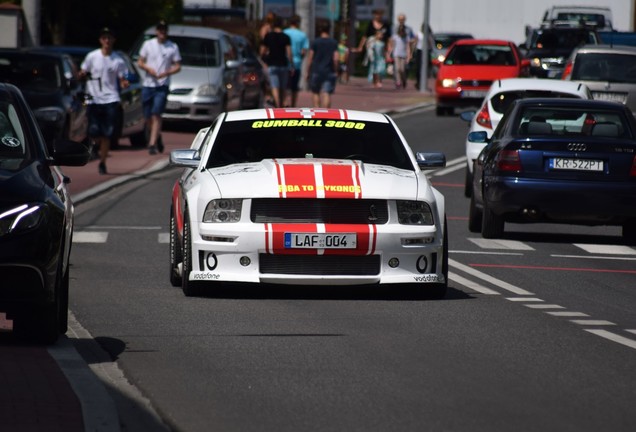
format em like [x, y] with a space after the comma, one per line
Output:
[600, 17]
[210, 80]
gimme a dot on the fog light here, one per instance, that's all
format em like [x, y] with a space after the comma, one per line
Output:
[245, 261]
[394, 262]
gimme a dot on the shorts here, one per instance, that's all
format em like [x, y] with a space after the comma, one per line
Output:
[278, 76]
[154, 100]
[294, 80]
[322, 83]
[102, 119]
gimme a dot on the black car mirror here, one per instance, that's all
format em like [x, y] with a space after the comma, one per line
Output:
[431, 160]
[70, 153]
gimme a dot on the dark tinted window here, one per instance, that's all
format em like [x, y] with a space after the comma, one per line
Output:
[501, 101]
[480, 55]
[255, 140]
[563, 38]
[605, 67]
[14, 148]
[31, 72]
[569, 121]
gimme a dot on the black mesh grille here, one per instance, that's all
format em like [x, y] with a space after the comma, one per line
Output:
[333, 211]
[475, 83]
[321, 265]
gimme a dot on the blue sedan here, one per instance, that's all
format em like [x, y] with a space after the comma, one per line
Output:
[557, 161]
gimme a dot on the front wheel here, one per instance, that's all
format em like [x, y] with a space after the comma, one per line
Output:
[474, 217]
[438, 291]
[190, 288]
[492, 225]
[176, 254]
[629, 232]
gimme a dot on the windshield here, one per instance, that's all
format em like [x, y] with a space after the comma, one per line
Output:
[13, 146]
[605, 67]
[30, 72]
[198, 51]
[500, 55]
[255, 140]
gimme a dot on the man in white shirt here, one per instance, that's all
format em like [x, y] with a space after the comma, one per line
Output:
[106, 72]
[159, 58]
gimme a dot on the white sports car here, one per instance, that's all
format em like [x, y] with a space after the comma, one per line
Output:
[308, 197]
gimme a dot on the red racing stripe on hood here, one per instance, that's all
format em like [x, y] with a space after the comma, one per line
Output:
[306, 113]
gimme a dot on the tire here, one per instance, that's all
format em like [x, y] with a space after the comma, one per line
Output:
[629, 232]
[440, 111]
[438, 291]
[492, 225]
[176, 254]
[189, 288]
[475, 217]
[138, 140]
[468, 183]
[450, 111]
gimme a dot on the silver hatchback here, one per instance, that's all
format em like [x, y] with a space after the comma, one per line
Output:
[608, 71]
[210, 80]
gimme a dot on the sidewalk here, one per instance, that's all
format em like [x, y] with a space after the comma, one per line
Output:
[36, 393]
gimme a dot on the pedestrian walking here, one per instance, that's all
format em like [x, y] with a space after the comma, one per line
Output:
[159, 57]
[376, 24]
[299, 48]
[106, 73]
[322, 65]
[275, 50]
[401, 49]
[343, 59]
[376, 58]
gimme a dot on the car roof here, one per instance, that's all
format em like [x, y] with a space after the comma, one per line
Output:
[189, 30]
[510, 84]
[574, 103]
[607, 49]
[306, 113]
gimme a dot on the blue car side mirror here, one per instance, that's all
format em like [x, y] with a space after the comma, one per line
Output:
[478, 137]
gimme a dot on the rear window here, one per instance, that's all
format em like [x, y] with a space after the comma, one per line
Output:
[31, 72]
[502, 101]
[605, 67]
[569, 121]
[553, 39]
[481, 55]
[255, 140]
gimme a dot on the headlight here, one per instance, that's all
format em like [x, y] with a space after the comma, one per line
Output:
[414, 213]
[50, 114]
[449, 83]
[207, 90]
[223, 211]
[21, 218]
[535, 62]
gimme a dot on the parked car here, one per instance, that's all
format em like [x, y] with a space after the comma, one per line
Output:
[443, 41]
[306, 197]
[500, 96]
[596, 16]
[51, 85]
[254, 77]
[211, 76]
[36, 220]
[548, 48]
[130, 119]
[470, 68]
[553, 160]
[608, 70]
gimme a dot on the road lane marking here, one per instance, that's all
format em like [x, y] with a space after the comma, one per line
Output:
[592, 322]
[485, 253]
[90, 237]
[567, 314]
[163, 238]
[524, 299]
[575, 269]
[470, 284]
[632, 331]
[613, 337]
[500, 244]
[485, 277]
[615, 258]
[606, 249]
[544, 306]
[121, 227]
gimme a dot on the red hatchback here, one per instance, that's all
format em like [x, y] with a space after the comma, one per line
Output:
[470, 68]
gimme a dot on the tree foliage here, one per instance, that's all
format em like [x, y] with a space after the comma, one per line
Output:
[78, 22]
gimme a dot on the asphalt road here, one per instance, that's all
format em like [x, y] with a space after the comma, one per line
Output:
[538, 331]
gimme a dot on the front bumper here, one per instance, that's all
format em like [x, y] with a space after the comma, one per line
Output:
[192, 108]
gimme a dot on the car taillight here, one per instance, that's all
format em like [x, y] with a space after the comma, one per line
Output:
[632, 172]
[567, 71]
[508, 160]
[483, 118]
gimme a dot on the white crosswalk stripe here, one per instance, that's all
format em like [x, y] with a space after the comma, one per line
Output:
[90, 237]
[606, 249]
[500, 244]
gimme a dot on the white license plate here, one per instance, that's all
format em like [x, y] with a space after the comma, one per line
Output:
[610, 97]
[172, 105]
[474, 93]
[320, 240]
[576, 164]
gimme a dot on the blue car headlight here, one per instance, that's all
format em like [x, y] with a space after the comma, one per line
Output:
[223, 211]
[414, 213]
[20, 218]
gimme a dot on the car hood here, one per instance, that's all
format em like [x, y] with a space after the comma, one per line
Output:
[478, 72]
[318, 178]
[192, 77]
[21, 185]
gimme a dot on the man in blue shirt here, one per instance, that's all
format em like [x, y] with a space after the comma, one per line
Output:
[299, 47]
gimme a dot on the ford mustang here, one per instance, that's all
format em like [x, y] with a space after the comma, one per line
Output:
[306, 197]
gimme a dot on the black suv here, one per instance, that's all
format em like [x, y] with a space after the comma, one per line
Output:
[548, 48]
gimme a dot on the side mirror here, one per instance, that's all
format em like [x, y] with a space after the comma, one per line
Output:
[69, 153]
[431, 160]
[467, 116]
[478, 137]
[185, 158]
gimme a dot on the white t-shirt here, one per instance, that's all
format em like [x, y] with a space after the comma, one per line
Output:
[105, 72]
[160, 57]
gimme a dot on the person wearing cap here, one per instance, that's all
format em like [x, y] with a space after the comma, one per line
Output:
[159, 57]
[106, 73]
